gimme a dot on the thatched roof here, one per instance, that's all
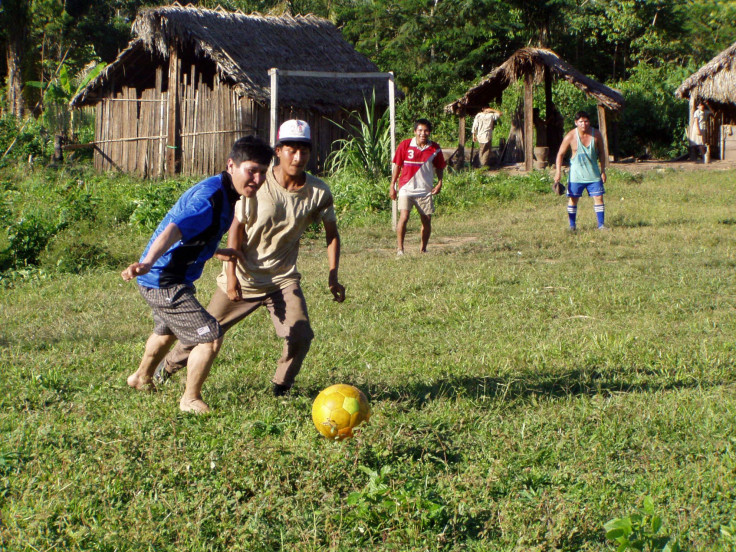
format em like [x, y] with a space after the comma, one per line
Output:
[532, 60]
[243, 49]
[714, 81]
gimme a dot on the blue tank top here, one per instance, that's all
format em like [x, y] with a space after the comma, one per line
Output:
[584, 164]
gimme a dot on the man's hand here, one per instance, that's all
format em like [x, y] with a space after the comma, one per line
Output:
[234, 291]
[437, 189]
[229, 254]
[392, 191]
[136, 269]
[337, 290]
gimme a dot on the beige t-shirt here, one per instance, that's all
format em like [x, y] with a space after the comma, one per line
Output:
[274, 223]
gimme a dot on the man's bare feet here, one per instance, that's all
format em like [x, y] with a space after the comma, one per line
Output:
[196, 406]
[139, 383]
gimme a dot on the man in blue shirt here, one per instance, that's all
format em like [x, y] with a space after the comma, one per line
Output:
[186, 238]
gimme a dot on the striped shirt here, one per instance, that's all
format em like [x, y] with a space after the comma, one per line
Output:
[417, 167]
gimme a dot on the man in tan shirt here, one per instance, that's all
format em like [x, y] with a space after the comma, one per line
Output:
[268, 229]
[483, 133]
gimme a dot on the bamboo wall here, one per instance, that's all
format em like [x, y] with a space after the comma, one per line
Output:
[131, 126]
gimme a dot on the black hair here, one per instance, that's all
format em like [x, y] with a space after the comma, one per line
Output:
[581, 114]
[251, 148]
[424, 122]
[295, 144]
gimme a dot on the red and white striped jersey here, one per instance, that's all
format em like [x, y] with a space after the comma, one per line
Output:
[417, 166]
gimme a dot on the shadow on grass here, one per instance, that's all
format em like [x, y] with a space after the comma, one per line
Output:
[525, 387]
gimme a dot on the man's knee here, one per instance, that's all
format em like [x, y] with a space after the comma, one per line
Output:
[300, 335]
[211, 347]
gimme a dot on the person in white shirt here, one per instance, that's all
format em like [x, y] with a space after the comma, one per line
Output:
[483, 133]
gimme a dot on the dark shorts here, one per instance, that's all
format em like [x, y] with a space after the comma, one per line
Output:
[575, 189]
[177, 312]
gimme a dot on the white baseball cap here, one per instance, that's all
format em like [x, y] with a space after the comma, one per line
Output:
[294, 130]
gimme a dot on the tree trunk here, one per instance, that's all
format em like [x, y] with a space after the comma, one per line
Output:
[13, 55]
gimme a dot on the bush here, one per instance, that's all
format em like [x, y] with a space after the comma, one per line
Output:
[152, 203]
[654, 122]
[27, 239]
[31, 138]
[78, 257]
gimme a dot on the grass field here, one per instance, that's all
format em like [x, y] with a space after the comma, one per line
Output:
[527, 386]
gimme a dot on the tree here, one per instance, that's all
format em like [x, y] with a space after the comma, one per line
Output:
[14, 15]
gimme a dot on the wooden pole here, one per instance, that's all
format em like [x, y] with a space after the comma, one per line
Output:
[548, 108]
[274, 73]
[392, 115]
[173, 109]
[693, 151]
[461, 141]
[604, 131]
[528, 121]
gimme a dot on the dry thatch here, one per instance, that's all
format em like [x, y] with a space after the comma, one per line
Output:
[532, 60]
[715, 81]
[243, 49]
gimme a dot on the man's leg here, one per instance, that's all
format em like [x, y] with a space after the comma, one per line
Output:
[426, 230]
[486, 149]
[156, 348]
[200, 362]
[288, 310]
[401, 229]
[572, 211]
[226, 312]
[600, 210]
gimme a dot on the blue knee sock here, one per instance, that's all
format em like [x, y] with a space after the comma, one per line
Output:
[572, 214]
[600, 212]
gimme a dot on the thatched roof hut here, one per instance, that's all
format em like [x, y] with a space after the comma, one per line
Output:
[220, 62]
[715, 83]
[535, 66]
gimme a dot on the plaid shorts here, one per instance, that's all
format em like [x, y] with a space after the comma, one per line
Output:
[176, 311]
[424, 204]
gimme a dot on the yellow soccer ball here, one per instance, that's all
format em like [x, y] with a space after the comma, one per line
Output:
[338, 409]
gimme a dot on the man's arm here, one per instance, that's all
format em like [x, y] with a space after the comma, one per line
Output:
[394, 178]
[160, 245]
[561, 155]
[438, 187]
[333, 258]
[602, 157]
[234, 241]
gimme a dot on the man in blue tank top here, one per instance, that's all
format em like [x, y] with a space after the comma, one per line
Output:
[587, 153]
[187, 237]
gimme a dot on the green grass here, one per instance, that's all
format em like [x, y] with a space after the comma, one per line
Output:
[527, 387]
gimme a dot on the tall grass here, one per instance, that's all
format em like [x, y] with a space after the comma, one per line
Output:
[528, 387]
[367, 150]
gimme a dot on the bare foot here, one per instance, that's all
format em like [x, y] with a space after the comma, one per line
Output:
[137, 382]
[196, 406]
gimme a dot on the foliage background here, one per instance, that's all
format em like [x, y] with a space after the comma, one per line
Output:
[437, 48]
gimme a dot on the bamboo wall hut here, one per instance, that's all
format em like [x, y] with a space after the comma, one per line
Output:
[219, 63]
[535, 66]
[715, 83]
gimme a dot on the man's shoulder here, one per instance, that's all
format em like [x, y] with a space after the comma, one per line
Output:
[317, 182]
[208, 185]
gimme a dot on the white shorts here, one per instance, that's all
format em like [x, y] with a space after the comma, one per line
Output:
[424, 204]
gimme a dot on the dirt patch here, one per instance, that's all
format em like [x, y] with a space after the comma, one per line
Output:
[643, 166]
[434, 244]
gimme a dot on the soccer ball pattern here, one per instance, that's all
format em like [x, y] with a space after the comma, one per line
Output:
[338, 409]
